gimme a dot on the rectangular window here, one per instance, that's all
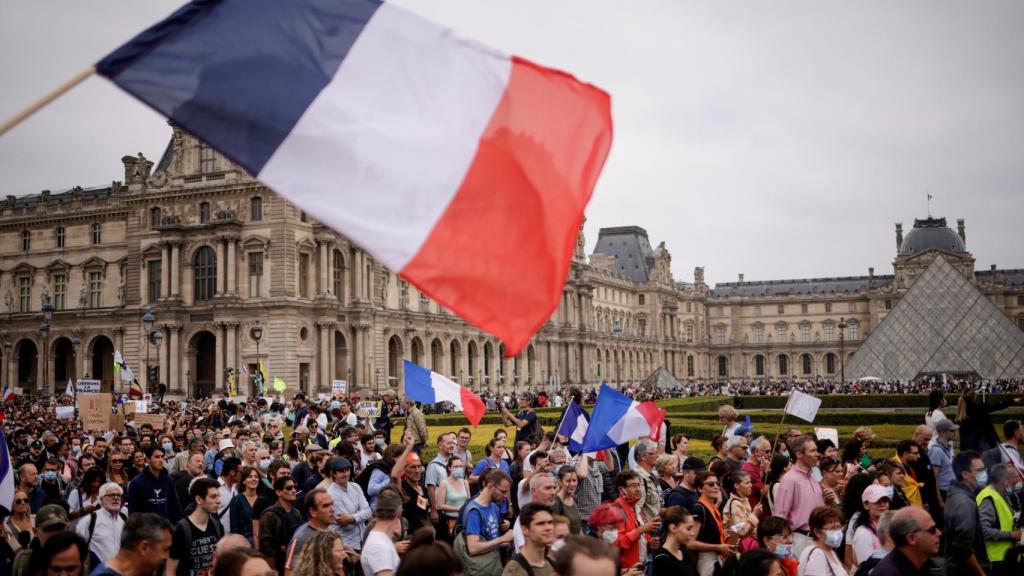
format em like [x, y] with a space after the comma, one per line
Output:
[829, 329]
[888, 304]
[757, 310]
[60, 237]
[689, 366]
[782, 308]
[720, 334]
[642, 327]
[805, 333]
[828, 308]
[207, 159]
[60, 291]
[96, 233]
[689, 332]
[154, 271]
[641, 297]
[24, 294]
[853, 331]
[1020, 300]
[255, 274]
[256, 209]
[781, 331]
[803, 308]
[852, 307]
[204, 213]
[689, 306]
[95, 289]
[758, 334]
[304, 275]
[26, 240]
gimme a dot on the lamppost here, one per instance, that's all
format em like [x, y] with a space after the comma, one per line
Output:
[76, 345]
[44, 331]
[842, 355]
[256, 333]
[376, 383]
[158, 339]
[147, 326]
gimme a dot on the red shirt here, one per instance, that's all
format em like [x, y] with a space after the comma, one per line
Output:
[629, 534]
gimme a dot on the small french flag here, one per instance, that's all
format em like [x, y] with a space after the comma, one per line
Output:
[429, 387]
[617, 419]
[464, 169]
[8, 394]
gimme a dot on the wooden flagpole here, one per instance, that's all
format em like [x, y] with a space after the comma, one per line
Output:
[45, 100]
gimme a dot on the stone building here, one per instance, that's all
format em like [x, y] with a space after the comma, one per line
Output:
[212, 253]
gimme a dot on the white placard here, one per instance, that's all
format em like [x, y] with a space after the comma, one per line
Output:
[370, 408]
[141, 406]
[828, 434]
[65, 412]
[87, 386]
[803, 406]
[339, 388]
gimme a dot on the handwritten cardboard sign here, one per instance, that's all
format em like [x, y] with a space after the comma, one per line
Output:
[94, 410]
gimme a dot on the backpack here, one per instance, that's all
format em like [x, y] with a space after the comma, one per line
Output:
[218, 529]
[486, 564]
[522, 561]
[92, 525]
[363, 479]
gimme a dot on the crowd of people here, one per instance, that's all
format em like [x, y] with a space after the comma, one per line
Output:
[317, 488]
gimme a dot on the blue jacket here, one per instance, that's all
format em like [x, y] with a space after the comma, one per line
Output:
[154, 494]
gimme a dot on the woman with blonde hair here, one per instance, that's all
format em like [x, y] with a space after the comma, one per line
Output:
[727, 416]
[666, 466]
[323, 555]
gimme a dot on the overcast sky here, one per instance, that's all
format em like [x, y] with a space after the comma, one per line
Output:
[778, 139]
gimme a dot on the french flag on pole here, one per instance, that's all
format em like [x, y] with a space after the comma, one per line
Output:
[6, 475]
[617, 419]
[463, 169]
[429, 387]
[574, 426]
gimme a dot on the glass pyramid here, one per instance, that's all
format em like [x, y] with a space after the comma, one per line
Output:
[943, 324]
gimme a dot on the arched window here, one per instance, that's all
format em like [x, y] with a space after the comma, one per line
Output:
[204, 267]
[806, 361]
[204, 213]
[783, 365]
[154, 217]
[256, 208]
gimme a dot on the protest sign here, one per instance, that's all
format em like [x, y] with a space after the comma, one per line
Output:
[128, 407]
[339, 388]
[828, 434]
[83, 386]
[803, 406]
[141, 406]
[65, 412]
[321, 396]
[94, 410]
[157, 421]
[117, 422]
[368, 408]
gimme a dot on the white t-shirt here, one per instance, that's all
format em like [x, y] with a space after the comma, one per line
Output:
[378, 554]
[864, 544]
[524, 496]
[932, 419]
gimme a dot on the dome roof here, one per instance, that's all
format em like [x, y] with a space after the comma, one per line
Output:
[931, 233]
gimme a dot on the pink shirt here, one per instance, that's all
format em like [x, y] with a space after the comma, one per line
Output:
[799, 494]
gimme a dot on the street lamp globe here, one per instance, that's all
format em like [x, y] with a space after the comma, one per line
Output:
[148, 320]
[76, 344]
[158, 338]
[256, 332]
[44, 328]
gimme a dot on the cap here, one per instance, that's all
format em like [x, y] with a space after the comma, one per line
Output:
[225, 444]
[340, 463]
[36, 445]
[874, 493]
[694, 463]
[50, 516]
[945, 424]
[314, 447]
[301, 430]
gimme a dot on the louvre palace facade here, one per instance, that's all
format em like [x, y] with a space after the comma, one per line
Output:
[211, 254]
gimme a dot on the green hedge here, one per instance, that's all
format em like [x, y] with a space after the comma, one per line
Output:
[852, 401]
[851, 418]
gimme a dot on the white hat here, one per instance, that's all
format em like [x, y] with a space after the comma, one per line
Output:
[225, 444]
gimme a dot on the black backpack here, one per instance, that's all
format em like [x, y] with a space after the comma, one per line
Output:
[363, 479]
[92, 525]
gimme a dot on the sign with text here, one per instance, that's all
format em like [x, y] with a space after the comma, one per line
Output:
[339, 388]
[94, 410]
[157, 421]
[65, 412]
[368, 408]
[87, 386]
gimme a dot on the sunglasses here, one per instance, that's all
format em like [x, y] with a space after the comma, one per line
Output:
[290, 488]
[711, 484]
[932, 530]
[21, 501]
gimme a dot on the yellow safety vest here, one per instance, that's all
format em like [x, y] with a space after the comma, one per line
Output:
[997, 550]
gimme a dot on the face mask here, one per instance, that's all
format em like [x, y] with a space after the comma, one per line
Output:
[891, 492]
[816, 474]
[49, 476]
[265, 465]
[557, 545]
[982, 478]
[76, 450]
[459, 472]
[610, 536]
[168, 447]
[379, 442]
[783, 550]
[834, 538]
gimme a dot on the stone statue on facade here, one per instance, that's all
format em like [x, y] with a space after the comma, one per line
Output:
[83, 298]
[121, 293]
[44, 297]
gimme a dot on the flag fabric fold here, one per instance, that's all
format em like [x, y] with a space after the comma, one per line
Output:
[463, 169]
[803, 406]
[8, 393]
[429, 387]
[574, 426]
[617, 419]
[6, 475]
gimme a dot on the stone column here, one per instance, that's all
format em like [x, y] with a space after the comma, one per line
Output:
[161, 353]
[232, 257]
[119, 345]
[165, 271]
[322, 275]
[173, 358]
[220, 267]
[218, 377]
[325, 362]
[176, 270]
[358, 362]
[231, 349]
[332, 361]
[357, 276]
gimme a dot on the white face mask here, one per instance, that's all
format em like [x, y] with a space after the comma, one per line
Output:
[610, 536]
[557, 545]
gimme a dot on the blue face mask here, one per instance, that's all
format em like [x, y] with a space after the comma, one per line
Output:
[891, 492]
[265, 465]
[783, 550]
[833, 538]
[982, 478]
[168, 447]
[49, 476]
[459, 472]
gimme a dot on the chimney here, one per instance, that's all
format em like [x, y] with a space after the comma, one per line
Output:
[899, 235]
[741, 276]
[871, 272]
[960, 229]
[993, 268]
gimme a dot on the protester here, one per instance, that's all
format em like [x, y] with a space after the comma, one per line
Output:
[278, 523]
[241, 506]
[196, 535]
[775, 536]
[538, 530]
[64, 553]
[379, 553]
[710, 538]
[416, 423]
[819, 558]
[426, 555]
[673, 558]
[865, 538]
[50, 521]
[727, 418]
[146, 541]
[436, 473]
[102, 528]
[964, 543]
[777, 469]
[738, 517]
[565, 499]
[585, 556]
[319, 509]
[997, 517]
[350, 508]
[799, 493]
[915, 538]
[974, 416]
[152, 490]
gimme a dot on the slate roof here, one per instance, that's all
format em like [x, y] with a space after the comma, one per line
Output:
[631, 249]
[839, 285]
[62, 196]
[931, 233]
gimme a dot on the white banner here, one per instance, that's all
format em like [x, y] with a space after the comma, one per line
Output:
[803, 406]
[65, 412]
[339, 388]
[87, 386]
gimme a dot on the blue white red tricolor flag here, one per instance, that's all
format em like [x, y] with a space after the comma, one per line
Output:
[617, 419]
[429, 387]
[6, 475]
[8, 393]
[574, 426]
[463, 169]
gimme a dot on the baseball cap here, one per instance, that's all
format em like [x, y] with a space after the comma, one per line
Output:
[51, 516]
[694, 463]
[340, 463]
[313, 448]
[945, 424]
[874, 493]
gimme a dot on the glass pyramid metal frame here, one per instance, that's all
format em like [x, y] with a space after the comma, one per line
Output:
[943, 324]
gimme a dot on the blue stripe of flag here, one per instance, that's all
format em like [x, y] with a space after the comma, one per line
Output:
[611, 407]
[417, 383]
[239, 74]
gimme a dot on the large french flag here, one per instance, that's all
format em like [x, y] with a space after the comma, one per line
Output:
[429, 387]
[461, 168]
[617, 419]
[6, 475]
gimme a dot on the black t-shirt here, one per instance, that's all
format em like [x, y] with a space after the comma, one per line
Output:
[666, 564]
[523, 434]
[195, 556]
[417, 509]
[709, 533]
